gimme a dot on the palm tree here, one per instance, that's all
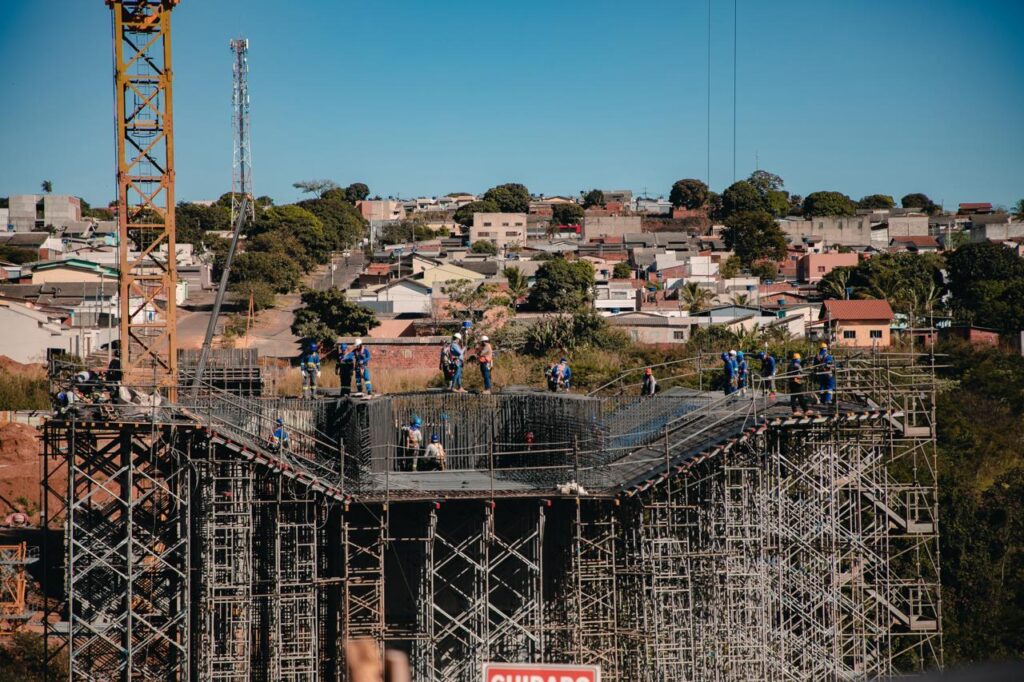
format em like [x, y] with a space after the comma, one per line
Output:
[740, 299]
[518, 285]
[46, 186]
[696, 297]
[836, 283]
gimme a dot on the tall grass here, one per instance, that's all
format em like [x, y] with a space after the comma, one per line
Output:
[24, 391]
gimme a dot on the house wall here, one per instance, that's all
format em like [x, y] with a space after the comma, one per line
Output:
[813, 267]
[862, 334]
[67, 275]
[610, 226]
[501, 229]
[844, 230]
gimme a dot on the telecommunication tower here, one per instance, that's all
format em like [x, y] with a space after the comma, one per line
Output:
[241, 167]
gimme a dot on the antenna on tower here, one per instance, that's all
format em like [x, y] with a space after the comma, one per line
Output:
[241, 166]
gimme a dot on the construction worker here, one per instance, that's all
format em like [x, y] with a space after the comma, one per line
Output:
[361, 355]
[279, 440]
[797, 394]
[457, 353]
[824, 369]
[742, 373]
[309, 365]
[346, 367]
[435, 455]
[768, 372]
[729, 372]
[485, 356]
[414, 441]
[562, 375]
[650, 384]
[551, 376]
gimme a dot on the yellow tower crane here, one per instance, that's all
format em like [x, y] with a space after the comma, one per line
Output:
[145, 191]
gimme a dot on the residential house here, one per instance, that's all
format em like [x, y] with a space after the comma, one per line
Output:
[974, 208]
[617, 295]
[72, 270]
[857, 323]
[501, 229]
[813, 267]
[996, 231]
[405, 295]
[381, 209]
[440, 275]
[29, 212]
[926, 244]
[653, 328]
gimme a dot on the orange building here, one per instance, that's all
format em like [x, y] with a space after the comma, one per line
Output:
[863, 323]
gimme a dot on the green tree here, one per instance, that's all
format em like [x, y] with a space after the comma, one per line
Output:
[464, 214]
[344, 226]
[921, 202]
[518, 285]
[316, 187]
[730, 268]
[765, 270]
[987, 285]
[592, 198]
[741, 196]
[192, 220]
[357, 191]
[622, 270]
[280, 274]
[24, 659]
[777, 203]
[561, 285]
[764, 182]
[688, 193]
[754, 235]
[511, 197]
[17, 254]
[695, 297]
[567, 214]
[1018, 209]
[484, 246]
[877, 201]
[836, 283]
[300, 223]
[828, 203]
[46, 186]
[261, 294]
[327, 314]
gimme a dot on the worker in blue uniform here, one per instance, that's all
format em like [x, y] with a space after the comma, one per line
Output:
[824, 369]
[361, 354]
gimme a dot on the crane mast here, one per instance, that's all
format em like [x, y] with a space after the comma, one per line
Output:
[145, 191]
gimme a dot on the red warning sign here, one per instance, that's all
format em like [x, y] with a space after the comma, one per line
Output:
[539, 672]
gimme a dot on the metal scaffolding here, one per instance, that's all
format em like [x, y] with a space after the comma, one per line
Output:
[726, 540]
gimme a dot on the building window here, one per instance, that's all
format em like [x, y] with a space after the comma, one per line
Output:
[849, 334]
[504, 224]
[821, 268]
[679, 336]
[511, 234]
[876, 333]
[487, 224]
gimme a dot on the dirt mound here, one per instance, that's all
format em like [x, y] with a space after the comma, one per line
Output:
[19, 470]
[9, 366]
[19, 444]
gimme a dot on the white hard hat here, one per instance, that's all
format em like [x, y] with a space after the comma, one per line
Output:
[456, 335]
[485, 338]
[732, 352]
[358, 342]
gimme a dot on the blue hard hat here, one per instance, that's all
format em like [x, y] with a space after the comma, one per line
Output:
[725, 356]
[762, 355]
[564, 360]
[434, 438]
[280, 421]
[739, 354]
[416, 421]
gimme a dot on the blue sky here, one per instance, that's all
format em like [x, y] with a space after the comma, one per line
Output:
[424, 98]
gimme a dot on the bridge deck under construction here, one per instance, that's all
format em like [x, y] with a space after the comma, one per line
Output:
[687, 535]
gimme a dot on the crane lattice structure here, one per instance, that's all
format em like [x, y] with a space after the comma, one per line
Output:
[145, 190]
[241, 166]
[687, 535]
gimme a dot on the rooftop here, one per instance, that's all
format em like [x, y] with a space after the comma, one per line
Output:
[870, 309]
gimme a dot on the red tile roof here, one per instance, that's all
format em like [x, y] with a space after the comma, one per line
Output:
[870, 309]
[917, 241]
[378, 269]
[984, 205]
